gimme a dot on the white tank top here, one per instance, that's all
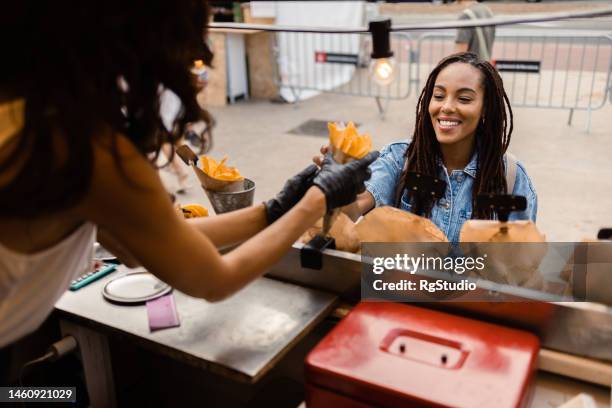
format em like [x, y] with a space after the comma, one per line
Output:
[30, 284]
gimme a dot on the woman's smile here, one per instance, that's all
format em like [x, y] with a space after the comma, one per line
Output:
[446, 124]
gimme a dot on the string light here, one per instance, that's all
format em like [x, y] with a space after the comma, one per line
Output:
[382, 66]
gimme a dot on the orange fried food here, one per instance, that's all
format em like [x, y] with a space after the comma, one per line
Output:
[193, 211]
[219, 171]
[348, 141]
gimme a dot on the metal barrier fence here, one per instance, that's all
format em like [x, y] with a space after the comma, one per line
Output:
[573, 68]
[339, 63]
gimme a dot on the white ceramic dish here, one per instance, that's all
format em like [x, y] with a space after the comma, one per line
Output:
[135, 287]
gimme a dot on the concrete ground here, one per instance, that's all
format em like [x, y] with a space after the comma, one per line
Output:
[571, 170]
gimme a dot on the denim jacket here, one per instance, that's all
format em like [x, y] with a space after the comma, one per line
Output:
[451, 211]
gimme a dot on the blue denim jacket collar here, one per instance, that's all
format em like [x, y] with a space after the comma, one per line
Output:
[471, 167]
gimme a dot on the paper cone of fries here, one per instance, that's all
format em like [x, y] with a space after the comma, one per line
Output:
[217, 176]
[346, 145]
[213, 176]
[224, 186]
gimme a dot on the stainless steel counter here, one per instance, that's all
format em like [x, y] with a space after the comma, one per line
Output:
[240, 337]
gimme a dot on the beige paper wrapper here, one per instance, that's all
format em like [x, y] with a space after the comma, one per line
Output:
[389, 224]
[341, 157]
[212, 184]
[489, 231]
[517, 265]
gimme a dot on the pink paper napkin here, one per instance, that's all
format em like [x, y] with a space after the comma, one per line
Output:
[162, 313]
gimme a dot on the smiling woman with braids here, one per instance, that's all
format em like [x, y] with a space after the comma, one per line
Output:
[462, 131]
[80, 90]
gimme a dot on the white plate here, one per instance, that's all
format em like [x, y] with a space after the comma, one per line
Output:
[135, 287]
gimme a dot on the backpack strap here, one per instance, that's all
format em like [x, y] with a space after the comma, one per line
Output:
[511, 165]
[479, 34]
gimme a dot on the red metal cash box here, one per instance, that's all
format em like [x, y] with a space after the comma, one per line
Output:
[395, 355]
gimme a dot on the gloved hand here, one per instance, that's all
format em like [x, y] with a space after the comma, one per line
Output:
[342, 182]
[292, 192]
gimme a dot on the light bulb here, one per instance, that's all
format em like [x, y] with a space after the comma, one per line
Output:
[382, 71]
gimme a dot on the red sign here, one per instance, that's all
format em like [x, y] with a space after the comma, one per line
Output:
[336, 58]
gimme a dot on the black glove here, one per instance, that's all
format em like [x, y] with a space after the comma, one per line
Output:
[292, 192]
[342, 182]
